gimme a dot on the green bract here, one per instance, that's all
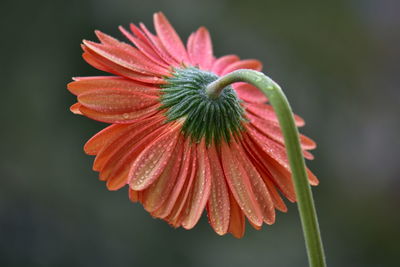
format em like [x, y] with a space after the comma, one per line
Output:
[184, 97]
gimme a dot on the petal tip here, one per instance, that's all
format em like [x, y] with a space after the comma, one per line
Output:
[75, 109]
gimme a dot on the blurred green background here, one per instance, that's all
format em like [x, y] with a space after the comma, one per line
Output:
[338, 62]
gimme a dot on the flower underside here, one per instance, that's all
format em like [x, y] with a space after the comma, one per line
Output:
[184, 97]
[163, 112]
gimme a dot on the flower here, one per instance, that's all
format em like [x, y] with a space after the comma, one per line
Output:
[177, 149]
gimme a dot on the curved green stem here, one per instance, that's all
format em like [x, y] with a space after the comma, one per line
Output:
[282, 108]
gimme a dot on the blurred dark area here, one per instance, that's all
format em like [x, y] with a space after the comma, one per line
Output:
[337, 61]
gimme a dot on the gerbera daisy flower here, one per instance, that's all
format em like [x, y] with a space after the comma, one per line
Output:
[179, 150]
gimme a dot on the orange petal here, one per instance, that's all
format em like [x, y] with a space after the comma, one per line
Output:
[104, 138]
[201, 188]
[152, 161]
[218, 206]
[239, 184]
[237, 223]
[133, 195]
[169, 38]
[118, 181]
[312, 178]
[75, 109]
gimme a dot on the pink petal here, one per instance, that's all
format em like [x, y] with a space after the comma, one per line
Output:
[178, 212]
[116, 100]
[85, 84]
[184, 174]
[243, 64]
[105, 65]
[274, 150]
[276, 198]
[149, 165]
[278, 166]
[157, 45]
[94, 61]
[169, 38]
[201, 188]
[126, 140]
[117, 158]
[274, 132]
[190, 43]
[265, 175]
[221, 63]
[218, 206]
[266, 112]
[200, 49]
[158, 192]
[239, 184]
[131, 59]
[126, 117]
[259, 188]
[308, 155]
[157, 63]
[249, 93]
[145, 47]
[269, 169]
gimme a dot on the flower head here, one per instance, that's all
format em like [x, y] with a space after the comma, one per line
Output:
[179, 150]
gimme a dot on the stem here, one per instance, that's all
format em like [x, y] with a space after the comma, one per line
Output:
[282, 108]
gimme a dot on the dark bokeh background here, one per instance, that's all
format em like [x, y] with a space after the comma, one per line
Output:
[338, 62]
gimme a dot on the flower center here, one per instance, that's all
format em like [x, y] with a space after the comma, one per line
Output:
[184, 97]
